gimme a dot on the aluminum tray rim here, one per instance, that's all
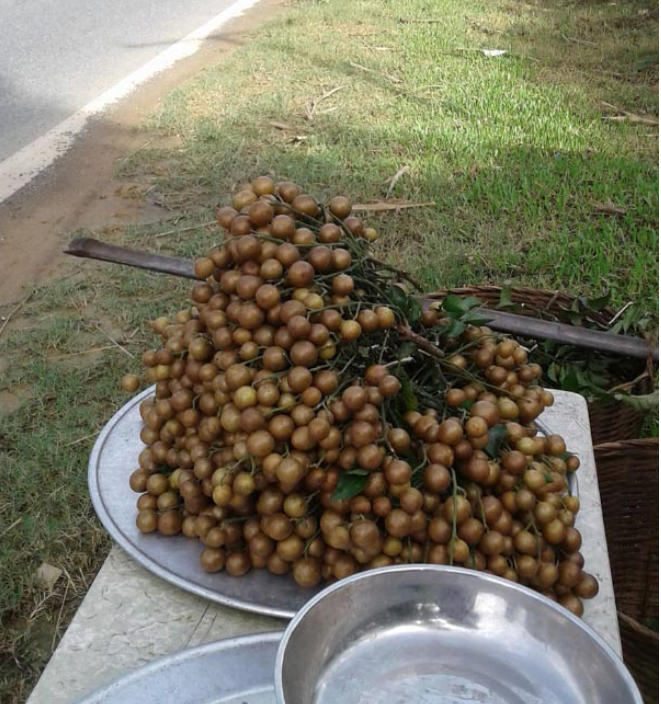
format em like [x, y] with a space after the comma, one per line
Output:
[98, 695]
[134, 551]
[155, 567]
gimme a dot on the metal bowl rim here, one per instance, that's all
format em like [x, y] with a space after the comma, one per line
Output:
[461, 573]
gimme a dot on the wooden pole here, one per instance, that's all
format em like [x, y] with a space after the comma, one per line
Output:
[522, 326]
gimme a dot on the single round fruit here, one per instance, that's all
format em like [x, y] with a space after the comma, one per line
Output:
[130, 383]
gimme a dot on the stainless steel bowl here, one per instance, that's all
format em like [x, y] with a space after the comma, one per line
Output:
[423, 634]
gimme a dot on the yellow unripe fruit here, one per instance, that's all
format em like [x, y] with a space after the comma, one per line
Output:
[313, 301]
[300, 294]
[350, 330]
[245, 397]
[327, 351]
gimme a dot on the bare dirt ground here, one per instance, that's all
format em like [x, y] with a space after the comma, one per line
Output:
[80, 191]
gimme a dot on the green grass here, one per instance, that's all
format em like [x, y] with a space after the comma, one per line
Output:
[513, 152]
[68, 382]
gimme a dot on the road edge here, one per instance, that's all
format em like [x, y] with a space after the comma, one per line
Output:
[18, 170]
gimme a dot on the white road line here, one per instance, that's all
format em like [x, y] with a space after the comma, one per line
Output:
[20, 168]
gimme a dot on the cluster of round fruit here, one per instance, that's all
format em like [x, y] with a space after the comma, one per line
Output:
[304, 422]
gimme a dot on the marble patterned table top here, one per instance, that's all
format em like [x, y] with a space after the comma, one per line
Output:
[130, 617]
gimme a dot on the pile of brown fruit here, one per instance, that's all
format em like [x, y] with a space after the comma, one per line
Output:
[310, 417]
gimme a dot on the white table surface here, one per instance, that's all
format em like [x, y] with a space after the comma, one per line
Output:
[130, 617]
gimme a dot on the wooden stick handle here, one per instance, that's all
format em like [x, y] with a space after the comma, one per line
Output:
[523, 326]
[89, 248]
[621, 345]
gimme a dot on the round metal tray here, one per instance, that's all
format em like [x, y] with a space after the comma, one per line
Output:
[176, 559]
[233, 671]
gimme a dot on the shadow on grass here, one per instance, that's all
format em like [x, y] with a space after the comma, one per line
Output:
[502, 212]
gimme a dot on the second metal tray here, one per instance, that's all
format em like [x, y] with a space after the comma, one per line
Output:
[233, 671]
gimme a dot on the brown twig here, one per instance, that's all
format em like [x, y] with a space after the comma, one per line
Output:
[430, 348]
[573, 40]
[185, 229]
[378, 207]
[114, 342]
[92, 350]
[611, 322]
[422, 342]
[481, 28]
[15, 309]
[392, 181]
[59, 615]
[281, 126]
[552, 300]
[311, 108]
[636, 119]
[402, 274]
[410, 20]
[608, 209]
[85, 437]
[394, 79]
[629, 116]
[10, 527]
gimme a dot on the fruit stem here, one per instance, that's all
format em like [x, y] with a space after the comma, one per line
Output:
[454, 515]
[401, 274]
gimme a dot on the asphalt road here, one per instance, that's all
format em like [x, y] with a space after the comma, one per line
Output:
[57, 56]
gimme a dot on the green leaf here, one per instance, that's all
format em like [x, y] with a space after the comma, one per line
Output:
[646, 402]
[165, 469]
[599, 303]
[454, 304]
[618, 327]
[471, 302]
[408, 349]
[629, 318]
[476, 319]
[652, 623]
[398, 298]
[349, 485]
[414, 310]
[551, 373]
[583, 380]
[569, 381]
[408, 401]
[505, 300]
[466, 405]
[565, 350]
[496, 437]
[455, 328]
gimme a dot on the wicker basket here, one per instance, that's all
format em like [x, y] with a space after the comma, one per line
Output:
[641, 654]
[609, 422]
[629, 480]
